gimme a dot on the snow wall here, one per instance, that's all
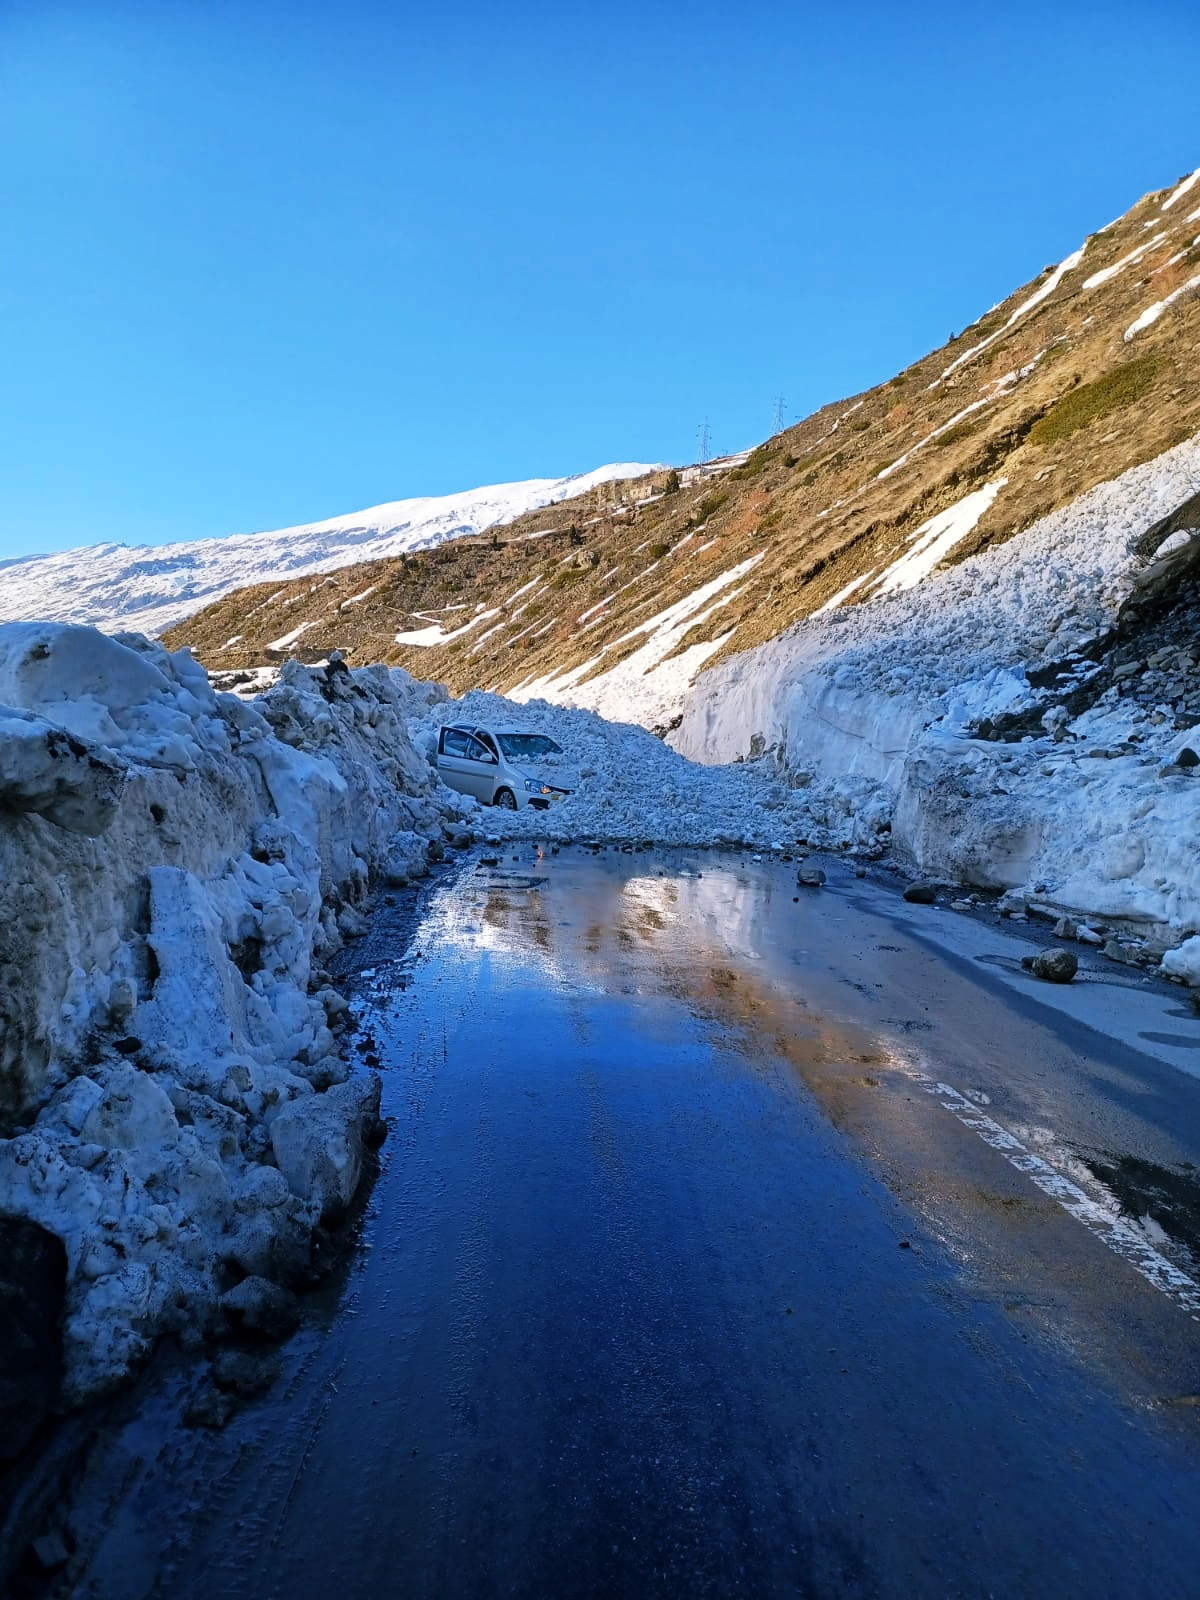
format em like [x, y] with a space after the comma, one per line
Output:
[175, 868]
[884, 692]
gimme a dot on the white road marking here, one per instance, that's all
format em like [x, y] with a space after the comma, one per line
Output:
[1120, 1235]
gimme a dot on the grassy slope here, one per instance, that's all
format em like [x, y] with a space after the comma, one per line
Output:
[809, 501]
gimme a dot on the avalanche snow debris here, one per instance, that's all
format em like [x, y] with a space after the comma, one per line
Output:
[173, 1103]
[883, 699]
[628, 786]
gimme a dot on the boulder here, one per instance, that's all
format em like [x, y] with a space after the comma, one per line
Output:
[921, 893]
[319, 1142]
[810, 877]
[1055, 965]
[260, 1308]
[244, 1373]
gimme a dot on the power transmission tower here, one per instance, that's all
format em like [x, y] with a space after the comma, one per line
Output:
[702, 452]
[780, 402]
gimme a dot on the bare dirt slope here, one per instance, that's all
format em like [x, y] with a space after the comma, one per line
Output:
[1084, 372]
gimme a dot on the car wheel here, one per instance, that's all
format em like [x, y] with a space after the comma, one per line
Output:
[505, 798]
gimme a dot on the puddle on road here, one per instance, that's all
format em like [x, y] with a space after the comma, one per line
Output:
[735, 945]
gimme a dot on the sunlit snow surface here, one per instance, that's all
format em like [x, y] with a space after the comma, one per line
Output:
[1188, 184]
[648, 686]
[149, 588]
[881, 697]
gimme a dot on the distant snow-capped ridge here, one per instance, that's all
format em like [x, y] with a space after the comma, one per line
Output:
[150, 588]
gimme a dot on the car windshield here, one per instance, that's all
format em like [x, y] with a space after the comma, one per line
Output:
[527, 746]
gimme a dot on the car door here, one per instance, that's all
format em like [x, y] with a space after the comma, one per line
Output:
[454, 766]
[480, 767]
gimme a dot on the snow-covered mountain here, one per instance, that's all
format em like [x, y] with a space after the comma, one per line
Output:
[149, 588]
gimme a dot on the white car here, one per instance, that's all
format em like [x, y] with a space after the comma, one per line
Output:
[500, 766]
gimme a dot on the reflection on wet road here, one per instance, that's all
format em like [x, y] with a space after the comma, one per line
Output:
[679, 1280]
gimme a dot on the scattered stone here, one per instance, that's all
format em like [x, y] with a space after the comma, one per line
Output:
[463, 841]
[1115, 951]
[1055, 965]
[261, 1308]
[351, 923]
[244, 1373]
[127, 1047]
[1065, 928]
[810, 877]
[210, 1409]
[1089, 936]
[961, 905]
[1012, 904]
[921, 893]
[860, 872]
[51, 1551]
[1187, 758]
[489, 861]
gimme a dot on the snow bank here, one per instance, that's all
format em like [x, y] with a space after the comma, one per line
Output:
[176, 866]
[884, 694]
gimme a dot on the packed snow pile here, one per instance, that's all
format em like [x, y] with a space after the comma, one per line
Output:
[627, 785]
[1090, 810]
[176, 869]
[151, 588]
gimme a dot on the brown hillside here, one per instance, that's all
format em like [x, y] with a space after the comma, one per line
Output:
[1054, 398]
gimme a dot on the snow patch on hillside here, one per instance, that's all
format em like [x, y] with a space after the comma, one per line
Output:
[649, 684]
[1188, 184]
[1035, 299]
[150, 588]
[934, 540]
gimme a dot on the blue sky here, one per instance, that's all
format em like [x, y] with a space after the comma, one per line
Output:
[263, 263]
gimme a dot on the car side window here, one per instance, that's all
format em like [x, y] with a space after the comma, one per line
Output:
[455, 742]
[477, 751]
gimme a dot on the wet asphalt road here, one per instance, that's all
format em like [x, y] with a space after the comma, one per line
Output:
[679, 1281]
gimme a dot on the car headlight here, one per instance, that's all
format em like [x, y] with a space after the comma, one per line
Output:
[536, 786]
